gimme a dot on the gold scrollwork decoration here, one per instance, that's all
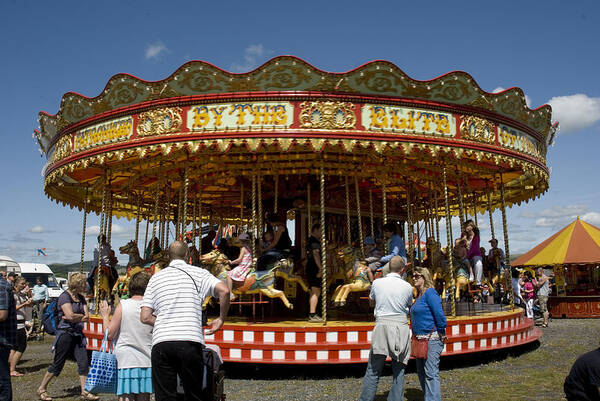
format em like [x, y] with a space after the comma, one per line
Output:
[159, 121]
[477, 129]
[62, 149]
[327, 115]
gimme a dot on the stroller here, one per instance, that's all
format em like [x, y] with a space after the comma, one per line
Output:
[213, 377]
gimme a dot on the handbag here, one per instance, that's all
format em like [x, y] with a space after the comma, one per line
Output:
[102, 376]
[419, 346]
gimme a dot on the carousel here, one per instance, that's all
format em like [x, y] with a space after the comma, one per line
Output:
[207, 149]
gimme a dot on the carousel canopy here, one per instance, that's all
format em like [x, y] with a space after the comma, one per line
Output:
[285, 122]
[578, 243]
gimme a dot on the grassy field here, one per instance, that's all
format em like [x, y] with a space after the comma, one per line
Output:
[532, 372]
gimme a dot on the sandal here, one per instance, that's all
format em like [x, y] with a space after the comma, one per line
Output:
[43, 395]
[89, 396]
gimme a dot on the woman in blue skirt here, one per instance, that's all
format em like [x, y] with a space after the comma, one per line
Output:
[134, 342]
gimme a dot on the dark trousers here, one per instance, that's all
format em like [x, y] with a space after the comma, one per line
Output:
[5, 387]
[173, 358]
[69, 345]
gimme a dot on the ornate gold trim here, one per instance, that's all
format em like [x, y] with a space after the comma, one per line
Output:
[159, 121]
[327, 115]
[477, 129]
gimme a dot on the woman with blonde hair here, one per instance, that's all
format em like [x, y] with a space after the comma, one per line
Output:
[134, 342]
[428, 322]
[22, 301]
[72, 313]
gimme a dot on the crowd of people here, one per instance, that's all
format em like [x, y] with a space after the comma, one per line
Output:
[159, 331]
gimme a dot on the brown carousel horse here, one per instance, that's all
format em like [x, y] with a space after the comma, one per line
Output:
[355, 275]
[135, 265]
[256, 281]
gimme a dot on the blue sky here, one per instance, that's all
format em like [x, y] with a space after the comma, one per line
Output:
[548, 49]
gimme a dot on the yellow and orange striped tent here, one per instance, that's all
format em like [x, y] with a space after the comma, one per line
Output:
[576, 244]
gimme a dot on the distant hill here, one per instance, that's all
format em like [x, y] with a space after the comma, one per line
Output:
[62, 269]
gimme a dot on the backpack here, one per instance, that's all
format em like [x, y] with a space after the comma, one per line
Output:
[50, 318]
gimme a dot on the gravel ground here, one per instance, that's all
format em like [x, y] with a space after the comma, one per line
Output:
[531, 372]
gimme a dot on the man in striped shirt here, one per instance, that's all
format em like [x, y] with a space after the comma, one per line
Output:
[173, 305]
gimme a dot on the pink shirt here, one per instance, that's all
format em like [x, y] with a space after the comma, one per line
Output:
[528, 286]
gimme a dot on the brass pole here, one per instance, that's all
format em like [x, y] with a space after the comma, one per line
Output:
[186, 184]
[410, 227]
[261, 222]
[137, 220]
[358, 213]
[490, 212]
[461, 212]
[155, 214]
[254, 222]
[508, 269]
[275, 198]
[200, 219]
[85, 212]
[97, 286]
[241, 201]
[109, 229]
[371, 212]
[384, 209]
[146, 237]
[450, 244]
[348, 228]
[474, 200]
[323, 248]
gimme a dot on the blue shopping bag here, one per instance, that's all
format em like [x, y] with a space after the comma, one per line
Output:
[102, 376]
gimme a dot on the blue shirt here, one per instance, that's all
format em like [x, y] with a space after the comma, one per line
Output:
[8, 327]
[396, 247]
[40, 292]
[427, 314]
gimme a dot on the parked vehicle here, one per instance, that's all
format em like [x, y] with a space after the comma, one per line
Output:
[31, 271]
[11, 265]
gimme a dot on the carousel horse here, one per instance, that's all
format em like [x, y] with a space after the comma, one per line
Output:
[256, 281]
[355, 274]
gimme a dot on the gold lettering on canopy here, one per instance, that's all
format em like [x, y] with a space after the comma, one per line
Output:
[240, 116]
[102, 134]
[514, 139]
[408, 120]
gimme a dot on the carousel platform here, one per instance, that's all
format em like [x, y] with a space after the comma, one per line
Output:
[347, 339]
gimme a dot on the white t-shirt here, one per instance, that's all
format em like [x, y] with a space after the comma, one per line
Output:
[392, 295]
[135, 338]
[176, 303]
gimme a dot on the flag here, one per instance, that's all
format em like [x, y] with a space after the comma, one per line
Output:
[41, 251]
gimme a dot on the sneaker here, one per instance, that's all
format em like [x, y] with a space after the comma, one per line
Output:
[471, 277]
[315, 318]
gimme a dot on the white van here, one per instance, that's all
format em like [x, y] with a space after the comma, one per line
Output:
[10, 265]
[31, 271]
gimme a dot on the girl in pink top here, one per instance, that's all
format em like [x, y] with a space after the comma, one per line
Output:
[243, 262]
[528, 293]
[471, 235]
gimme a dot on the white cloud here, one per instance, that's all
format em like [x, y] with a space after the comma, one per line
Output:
[155, 49]
[252, 55]
[501, 89]
[592, 218]
[559, 216]
[575, 112]
[116, 231]
[37, 229]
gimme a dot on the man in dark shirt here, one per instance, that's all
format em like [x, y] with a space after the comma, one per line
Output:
[8, 334]
[583, 381]
[314, 271]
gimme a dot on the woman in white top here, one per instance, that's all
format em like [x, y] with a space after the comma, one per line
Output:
[134, 342]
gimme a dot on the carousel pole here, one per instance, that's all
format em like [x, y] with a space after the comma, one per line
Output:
[508, 269]
[410, 227]
[308, 206]
[360, 229]
[323, 247]
[261, 222]
[85, 212]
[155, 215]
[372, 220]
[146, 237]
[186, 184]
[348, 227]
[178, 222]
[489, 205]
[276, 197]
[109, 228]
[200, 220]
[241, 201]
[194, 219]
[384, 207]
[254, 225]
[474, 202]
[137, 220]
[449, 240]
[103, 221]
[437, 219]
[461, 213]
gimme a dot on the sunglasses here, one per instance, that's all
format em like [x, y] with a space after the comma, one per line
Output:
[416, 276]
